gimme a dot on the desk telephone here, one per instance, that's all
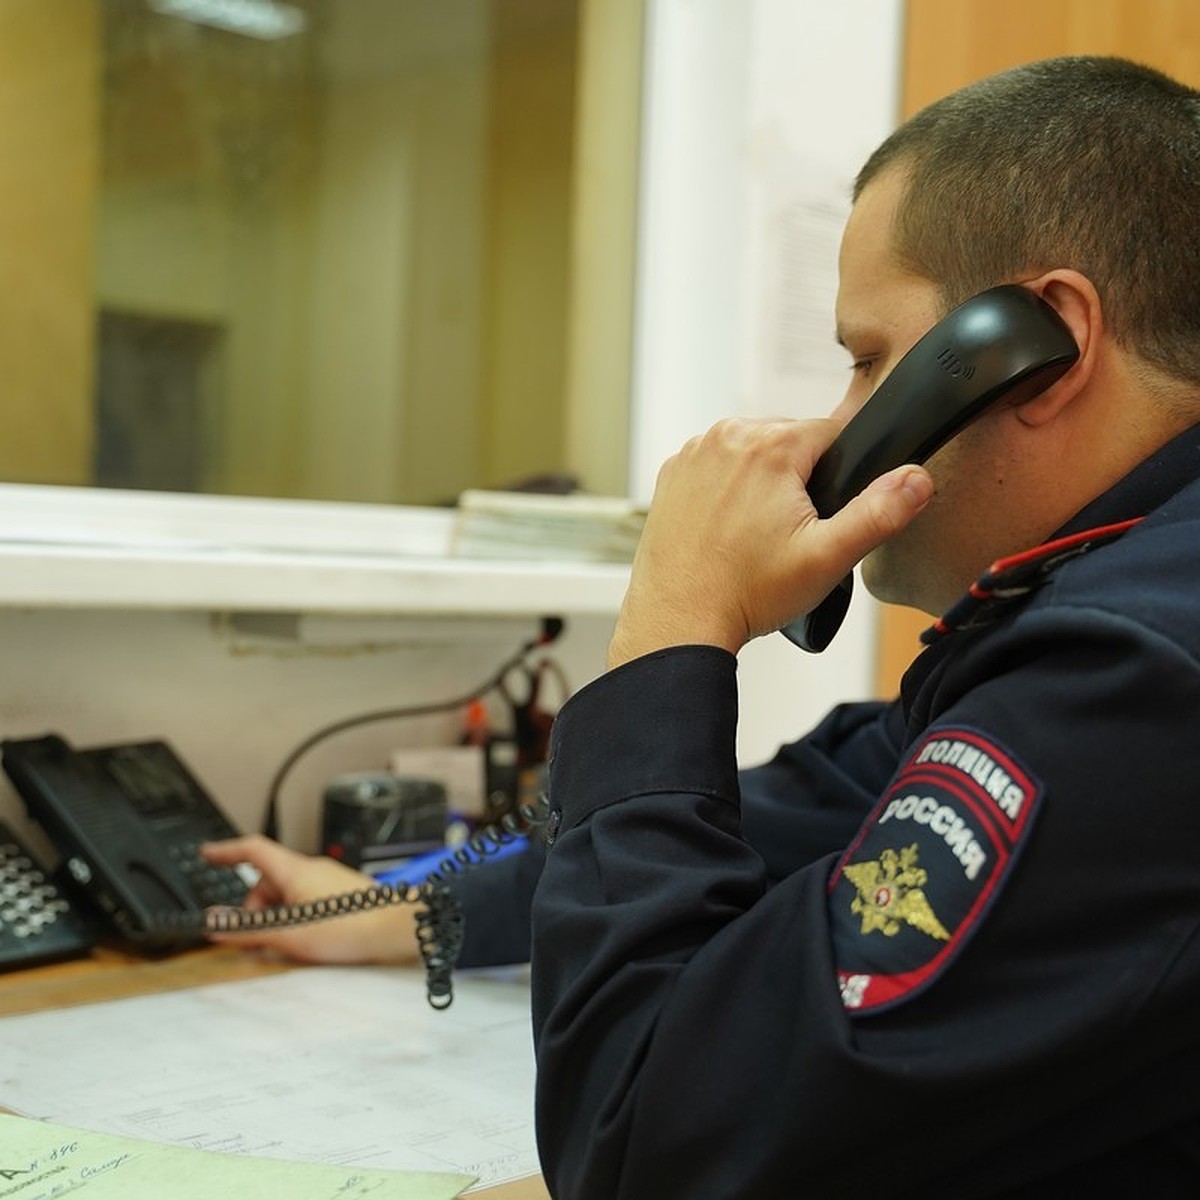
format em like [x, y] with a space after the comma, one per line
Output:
[1005, 343]
[127, 820]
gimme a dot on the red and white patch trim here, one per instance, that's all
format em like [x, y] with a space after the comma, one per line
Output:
[927, 865]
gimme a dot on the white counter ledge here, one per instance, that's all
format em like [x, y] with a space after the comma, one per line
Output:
[100, 548]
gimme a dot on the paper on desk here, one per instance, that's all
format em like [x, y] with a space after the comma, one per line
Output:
[40, 1161]
[345, 1066]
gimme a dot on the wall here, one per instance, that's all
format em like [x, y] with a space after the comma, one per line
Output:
[48, 166]
[603, 243]
[393, 333]
[234, 702]
[524, 367]
[755, 113]
[333, 221]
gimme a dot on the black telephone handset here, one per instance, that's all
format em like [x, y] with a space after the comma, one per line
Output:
[1005, 343]
[127, 820]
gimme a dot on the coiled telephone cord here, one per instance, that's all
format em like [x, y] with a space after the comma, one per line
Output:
[439, 922]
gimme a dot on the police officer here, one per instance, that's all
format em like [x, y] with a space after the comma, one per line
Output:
[991, 988]
[946, 947]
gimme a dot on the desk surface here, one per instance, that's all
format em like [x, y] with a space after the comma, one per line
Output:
[110, 974]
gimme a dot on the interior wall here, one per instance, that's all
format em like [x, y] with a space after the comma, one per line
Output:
[750, 111]
[603, 243]
[950, 43]
[365, 166]
[49, 151]
[441, 343]
[530, 196]
[234, 702]
[404, 157]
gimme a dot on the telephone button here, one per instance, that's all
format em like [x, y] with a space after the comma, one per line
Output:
[80, 871]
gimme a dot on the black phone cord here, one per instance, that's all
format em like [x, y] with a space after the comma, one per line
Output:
[440, 923]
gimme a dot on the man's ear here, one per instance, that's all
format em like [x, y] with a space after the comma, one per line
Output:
[1074, 297]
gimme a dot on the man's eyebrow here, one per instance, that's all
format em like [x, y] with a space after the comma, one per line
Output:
[844, 334]
[854, 334]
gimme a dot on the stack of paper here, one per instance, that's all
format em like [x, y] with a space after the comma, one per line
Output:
[577, 527]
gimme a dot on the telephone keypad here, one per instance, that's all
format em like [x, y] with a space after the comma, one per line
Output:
[179, 813]
[209, 884]
[37, 924]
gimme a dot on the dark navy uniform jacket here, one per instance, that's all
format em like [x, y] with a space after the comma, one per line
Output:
[946, 948]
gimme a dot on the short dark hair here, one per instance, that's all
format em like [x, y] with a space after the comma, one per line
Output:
[1085, 162]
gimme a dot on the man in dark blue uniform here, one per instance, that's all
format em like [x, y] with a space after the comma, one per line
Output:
[991, 986]
[946, 947]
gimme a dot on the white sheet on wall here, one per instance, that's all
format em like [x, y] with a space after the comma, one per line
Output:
[794, 368]
[758, 114]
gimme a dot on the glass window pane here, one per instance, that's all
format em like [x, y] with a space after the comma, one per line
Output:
[324, 243]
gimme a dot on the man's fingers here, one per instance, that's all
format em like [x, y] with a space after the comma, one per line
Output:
[881, 510]
[258, 851]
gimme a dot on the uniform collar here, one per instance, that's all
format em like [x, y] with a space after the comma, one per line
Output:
[1008, 582]
[1148, 486]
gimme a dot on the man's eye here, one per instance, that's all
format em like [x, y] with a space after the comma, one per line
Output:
[863, 366]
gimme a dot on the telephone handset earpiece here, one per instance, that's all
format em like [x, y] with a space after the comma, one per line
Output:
[1004, 343]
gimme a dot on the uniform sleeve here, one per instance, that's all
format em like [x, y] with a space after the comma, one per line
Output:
[808, 800]
[694, 1025]
[837, 770]
[495, 899]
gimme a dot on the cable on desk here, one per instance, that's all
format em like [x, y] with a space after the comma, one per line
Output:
[551, 630]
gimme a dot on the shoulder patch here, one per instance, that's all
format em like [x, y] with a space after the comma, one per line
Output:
[926, 865]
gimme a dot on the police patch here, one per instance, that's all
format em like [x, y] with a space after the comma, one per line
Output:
[926, 865]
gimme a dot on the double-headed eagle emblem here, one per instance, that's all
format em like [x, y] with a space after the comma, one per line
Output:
[890, 894]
